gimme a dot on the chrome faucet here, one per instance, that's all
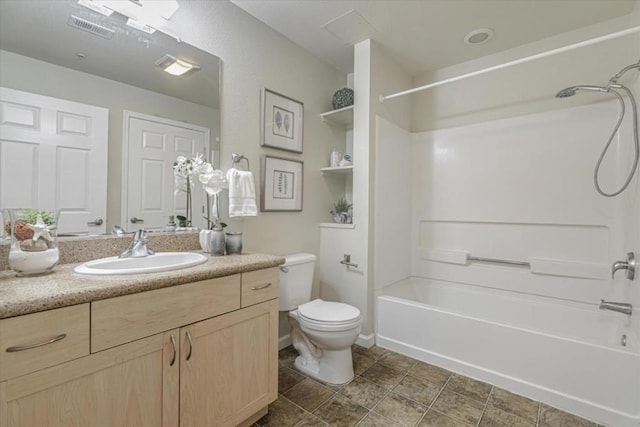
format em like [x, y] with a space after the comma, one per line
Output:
[620, 307]
[629, 265]
[138, 247]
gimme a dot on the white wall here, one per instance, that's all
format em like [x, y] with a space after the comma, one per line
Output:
[255, 56]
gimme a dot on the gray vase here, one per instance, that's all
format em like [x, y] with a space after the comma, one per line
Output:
[234, 243]
[217, 244]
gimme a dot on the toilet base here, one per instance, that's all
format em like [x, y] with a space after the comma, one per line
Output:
[333, 366]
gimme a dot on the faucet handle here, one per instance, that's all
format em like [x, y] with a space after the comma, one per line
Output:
[629, 265]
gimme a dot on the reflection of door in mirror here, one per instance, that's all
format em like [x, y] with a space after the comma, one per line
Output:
[151, 145]
[53, 155]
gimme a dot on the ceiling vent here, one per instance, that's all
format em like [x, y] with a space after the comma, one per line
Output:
[90, 27]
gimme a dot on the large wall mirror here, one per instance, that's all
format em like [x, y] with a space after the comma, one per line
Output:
[97, 77]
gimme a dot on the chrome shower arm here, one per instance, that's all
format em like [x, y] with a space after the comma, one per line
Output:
[614, 79]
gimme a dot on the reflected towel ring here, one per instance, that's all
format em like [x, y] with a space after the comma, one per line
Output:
[236, 158]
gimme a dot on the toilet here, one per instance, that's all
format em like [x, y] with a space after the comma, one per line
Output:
[321, 331]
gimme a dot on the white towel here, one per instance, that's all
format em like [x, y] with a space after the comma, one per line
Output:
[242, 193]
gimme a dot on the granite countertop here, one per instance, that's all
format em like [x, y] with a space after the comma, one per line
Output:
[64, 287]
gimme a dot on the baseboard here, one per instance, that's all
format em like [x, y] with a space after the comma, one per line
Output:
[284, 341]
[366, 341]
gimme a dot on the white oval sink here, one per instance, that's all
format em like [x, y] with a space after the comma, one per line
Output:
[162, 261]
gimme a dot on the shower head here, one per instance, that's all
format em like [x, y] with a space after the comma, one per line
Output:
[570, 91]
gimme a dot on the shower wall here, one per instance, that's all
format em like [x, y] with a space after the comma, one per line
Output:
[522, 189]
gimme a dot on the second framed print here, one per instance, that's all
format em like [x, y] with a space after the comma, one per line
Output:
[280, 184]
[282, 122]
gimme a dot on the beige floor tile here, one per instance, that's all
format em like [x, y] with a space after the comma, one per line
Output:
[282, 413]
[400, 409]
[287, 356]
[494, 417]
[398, 361]
[457, 406]
[287, 378]
[552, 417]
[364, 392]
[374, 352]
[436, 419]
[361, 363]
[309, 394]
[383, 375]
[469, 387]
[431, 373]
[417, 390]
[377, 420]
[341, 412]
[311, 421]
[512, 403]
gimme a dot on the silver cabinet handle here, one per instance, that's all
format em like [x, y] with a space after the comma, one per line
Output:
[135, 220]
[40, 344]
[190, 345]
[284, 269]
[97, 221]
[175, 350]
[257, 288]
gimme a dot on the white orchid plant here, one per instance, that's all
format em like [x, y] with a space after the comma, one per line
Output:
[213, 181]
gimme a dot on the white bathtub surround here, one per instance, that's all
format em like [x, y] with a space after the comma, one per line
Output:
[566, 355]
[517, 189]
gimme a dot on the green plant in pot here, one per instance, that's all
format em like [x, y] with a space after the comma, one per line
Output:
[342, 212]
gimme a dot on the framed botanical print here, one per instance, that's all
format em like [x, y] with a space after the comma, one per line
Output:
[282, 122]
[280, 184]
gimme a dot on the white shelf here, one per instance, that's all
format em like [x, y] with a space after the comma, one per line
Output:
[336, 225]
[342, 117]
[338, 170]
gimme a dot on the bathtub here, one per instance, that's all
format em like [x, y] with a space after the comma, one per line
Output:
[568, 355]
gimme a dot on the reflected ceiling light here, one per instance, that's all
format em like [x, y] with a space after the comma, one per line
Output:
[139, 25]
[144, 15]
[175, 66]
[96, 6]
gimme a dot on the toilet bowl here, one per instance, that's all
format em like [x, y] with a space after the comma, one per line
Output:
[321, 331]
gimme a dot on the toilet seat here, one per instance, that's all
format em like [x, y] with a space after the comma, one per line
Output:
[328, 316]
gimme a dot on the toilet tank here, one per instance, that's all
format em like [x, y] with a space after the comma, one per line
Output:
[296, 279]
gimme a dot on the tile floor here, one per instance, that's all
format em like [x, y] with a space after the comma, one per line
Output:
[392, 390]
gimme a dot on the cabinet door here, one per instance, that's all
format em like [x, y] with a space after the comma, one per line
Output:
[229, 366]
[131, 385]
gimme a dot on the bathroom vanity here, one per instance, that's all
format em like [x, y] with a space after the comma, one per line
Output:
[190, 347]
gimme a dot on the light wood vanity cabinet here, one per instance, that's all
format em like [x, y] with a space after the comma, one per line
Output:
[187, 355]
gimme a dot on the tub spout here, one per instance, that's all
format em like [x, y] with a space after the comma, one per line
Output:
[620, 307]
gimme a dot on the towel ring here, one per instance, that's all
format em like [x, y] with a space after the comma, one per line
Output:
[237, 158]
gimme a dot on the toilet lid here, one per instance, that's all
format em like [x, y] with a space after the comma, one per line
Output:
[326, 311]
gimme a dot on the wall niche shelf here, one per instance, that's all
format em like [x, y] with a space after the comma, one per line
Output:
[342, 117]
[338, 170]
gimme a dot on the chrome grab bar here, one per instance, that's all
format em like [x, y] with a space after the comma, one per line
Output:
[499, 261]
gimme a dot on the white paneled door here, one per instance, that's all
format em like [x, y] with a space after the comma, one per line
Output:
[152, 144]
[53, 155]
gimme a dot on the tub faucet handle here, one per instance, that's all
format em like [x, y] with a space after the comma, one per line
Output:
[629, 265]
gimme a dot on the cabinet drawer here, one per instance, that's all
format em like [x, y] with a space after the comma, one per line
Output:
[260, 285]
[39, 340]
[119, 320]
